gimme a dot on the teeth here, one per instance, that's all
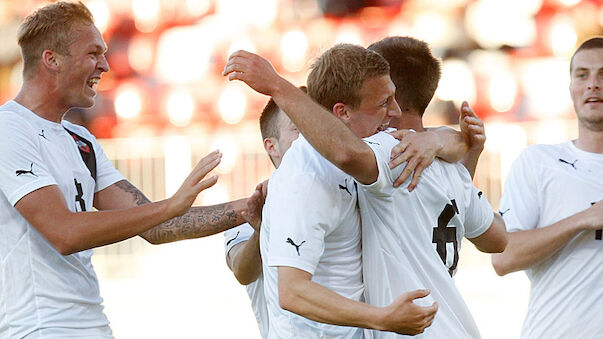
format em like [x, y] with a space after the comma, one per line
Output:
[593, 100]
[93, 81]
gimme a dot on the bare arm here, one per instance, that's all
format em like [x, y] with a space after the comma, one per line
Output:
[323, 130]
[299, 294]
[495, 239]
[69, 232]
[199, 221]
[244, 259]
[529, 248]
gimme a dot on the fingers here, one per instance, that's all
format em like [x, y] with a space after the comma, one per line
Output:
[207, 183]
[205, 165]
[416, 294]
[406, 172]
[400, 134]
[416, 176]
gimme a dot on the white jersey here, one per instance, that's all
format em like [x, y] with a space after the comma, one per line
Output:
[44, 294]
[548, 183]
[255, 290]
[310, 222]
[411, 240]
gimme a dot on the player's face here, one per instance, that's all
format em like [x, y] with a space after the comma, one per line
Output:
[80, 71]
[585, 87]
[288, 133]
[377, 107]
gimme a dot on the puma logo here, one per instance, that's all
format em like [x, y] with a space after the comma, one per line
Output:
[372, 142]
[345, 188]
[42, 134]
[231, 240]
[20, 172]
[479, 194]
[289, 241]
[503, 212]
[568, 163]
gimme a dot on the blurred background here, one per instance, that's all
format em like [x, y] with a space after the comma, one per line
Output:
[164, 105]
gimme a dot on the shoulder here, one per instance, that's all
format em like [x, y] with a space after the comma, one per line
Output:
[13, 121]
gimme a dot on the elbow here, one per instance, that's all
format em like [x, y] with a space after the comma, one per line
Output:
[499, 265]
[245, 279]
[64, 246]
[498, 246]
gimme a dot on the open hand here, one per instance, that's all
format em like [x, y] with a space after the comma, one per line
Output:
[182, 200]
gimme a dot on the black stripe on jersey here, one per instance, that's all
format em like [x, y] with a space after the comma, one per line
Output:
[231, 240]
[86, 151]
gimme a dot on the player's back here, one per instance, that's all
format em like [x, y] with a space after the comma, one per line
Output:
[411, 239]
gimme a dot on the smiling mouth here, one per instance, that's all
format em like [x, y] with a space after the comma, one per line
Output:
[593, 100]
[93, 82]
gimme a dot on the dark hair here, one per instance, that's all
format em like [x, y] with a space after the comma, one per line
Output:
[592, 43]
[49, 27]
[338, 74]
[413, 69]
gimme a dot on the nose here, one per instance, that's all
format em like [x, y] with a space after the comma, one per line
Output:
[594, 82]
[103, 64]
[394, 110]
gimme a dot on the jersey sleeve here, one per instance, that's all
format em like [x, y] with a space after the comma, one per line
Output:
[106, 173]
[382, 144]
[22, 169]
[300, 219]
[519, 205]
[479, 215]
[237, 235]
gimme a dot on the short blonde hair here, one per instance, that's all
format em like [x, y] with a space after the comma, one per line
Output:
[49, 27]
[338, 74]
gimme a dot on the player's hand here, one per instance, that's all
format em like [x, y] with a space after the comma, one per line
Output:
[253, 70]
[255, 203]
[182, 200]
[593, 216]
[418, 150]
[472, 129]
[406, 317]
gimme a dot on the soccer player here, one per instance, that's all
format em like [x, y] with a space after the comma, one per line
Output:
[365, 110]
[438, 214]
[53, 173]
[553, 208]
[242, 243]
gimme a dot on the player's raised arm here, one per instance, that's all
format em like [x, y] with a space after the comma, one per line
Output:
[325, 132]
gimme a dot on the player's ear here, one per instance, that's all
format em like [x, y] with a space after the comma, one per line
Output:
[50, 60]
[271, 147]
[341, 111]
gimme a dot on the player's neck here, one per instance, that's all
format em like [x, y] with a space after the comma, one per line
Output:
[589, 140]
[41, 101]
[409, 120]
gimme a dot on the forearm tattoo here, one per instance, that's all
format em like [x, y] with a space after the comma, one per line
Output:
[197, 222]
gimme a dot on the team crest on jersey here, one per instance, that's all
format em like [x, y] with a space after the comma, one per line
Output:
[80, 144]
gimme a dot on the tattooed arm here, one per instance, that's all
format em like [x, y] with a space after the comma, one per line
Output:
[199, 221]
